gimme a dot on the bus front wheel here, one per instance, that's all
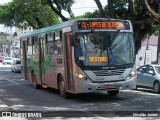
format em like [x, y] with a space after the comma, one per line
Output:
[113, 93]
[62, 88]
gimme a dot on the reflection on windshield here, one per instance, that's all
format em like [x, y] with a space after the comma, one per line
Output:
[104, 48]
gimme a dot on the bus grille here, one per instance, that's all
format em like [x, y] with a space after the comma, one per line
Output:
[108, 72]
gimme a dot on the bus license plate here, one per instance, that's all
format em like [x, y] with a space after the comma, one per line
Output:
[112, 87]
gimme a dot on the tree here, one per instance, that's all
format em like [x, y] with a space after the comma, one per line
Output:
[3, 37]
[99, 5]
[58, 5]
[23, 14]
[153, 8]
[144, 15]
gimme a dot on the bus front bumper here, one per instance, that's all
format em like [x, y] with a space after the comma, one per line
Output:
[86, 86]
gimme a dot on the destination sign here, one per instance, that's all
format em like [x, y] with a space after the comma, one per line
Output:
[97, 59]
[103, 25]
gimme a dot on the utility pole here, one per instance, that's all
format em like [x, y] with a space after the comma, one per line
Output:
[158, 49]
[146, 49]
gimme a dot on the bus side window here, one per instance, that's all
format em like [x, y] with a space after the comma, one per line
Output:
[35, 45]
[58, 43]
[49, 42]
[57, 48]
[50, 48]
[29, 46]
[32, 45]
[58, 35]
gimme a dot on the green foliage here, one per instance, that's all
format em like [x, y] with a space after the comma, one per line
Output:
[95, 14]
[6, 15]
[76, 17]
[3, 37]
[66, 5]
[136, 12]
[27, 13]
[42, 13]
[58, 5]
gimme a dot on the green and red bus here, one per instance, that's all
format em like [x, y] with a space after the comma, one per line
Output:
[81, 56]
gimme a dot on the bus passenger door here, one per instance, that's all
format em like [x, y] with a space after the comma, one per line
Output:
[68, 65]
[24, 44]
[41, 60]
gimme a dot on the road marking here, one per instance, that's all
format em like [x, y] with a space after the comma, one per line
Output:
[10, 81]
[5, 70]
[1, 106]
[143, 92]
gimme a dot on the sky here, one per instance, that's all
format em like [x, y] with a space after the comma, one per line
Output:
[78, 8]
[4, 1]
[82, 6]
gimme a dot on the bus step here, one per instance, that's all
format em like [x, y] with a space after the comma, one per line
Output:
[44, 86]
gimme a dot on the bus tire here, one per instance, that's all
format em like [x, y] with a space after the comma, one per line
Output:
[113, 93]
[34, 81]
[62, 88]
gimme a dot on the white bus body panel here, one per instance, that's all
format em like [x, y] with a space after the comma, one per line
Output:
[85, 86]
[98, 83]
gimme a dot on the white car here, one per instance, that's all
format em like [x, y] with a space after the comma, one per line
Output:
[7, 60]
[148, 76]
[16, 65]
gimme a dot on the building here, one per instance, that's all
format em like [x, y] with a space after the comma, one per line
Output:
[2, 43]
[5, 43]
[15, 46]
[147, 55]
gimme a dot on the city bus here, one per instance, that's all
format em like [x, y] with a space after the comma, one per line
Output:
[92, 55]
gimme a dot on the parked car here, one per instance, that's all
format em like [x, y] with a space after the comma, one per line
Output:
[1, 58]
[7, 60]
[149, 76]
[16, 65]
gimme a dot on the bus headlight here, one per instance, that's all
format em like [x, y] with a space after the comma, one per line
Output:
[79, 76]
[131, 74]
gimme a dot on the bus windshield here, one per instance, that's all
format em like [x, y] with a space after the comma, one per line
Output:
[104, 48]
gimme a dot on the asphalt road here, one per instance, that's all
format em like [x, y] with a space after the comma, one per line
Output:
[18, 95]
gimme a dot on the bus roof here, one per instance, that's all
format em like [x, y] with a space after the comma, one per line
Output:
[63, 24]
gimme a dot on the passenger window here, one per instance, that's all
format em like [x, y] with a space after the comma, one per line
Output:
[150, 70]
[57, 48]
[49, 42]
[142, 69]
[29, 44]
[58, 36]
[58, 43]
[35, 45]
[50, 49]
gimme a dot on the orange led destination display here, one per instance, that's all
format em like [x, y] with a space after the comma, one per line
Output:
[97, 59]
[104, 24]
